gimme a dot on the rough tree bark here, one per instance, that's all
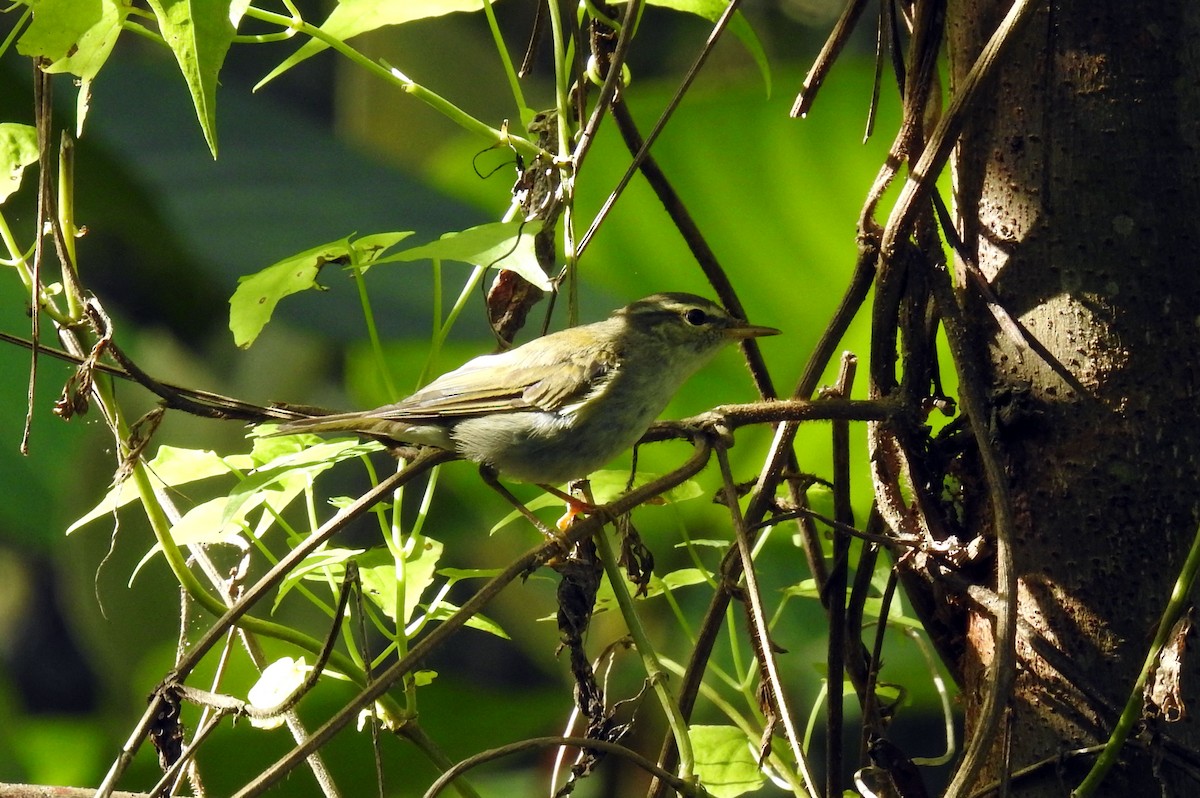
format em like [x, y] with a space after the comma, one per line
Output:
[1078, 183]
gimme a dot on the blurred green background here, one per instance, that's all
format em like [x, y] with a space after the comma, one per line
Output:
[326, 151]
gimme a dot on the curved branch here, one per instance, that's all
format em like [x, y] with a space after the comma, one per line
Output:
[538, 743]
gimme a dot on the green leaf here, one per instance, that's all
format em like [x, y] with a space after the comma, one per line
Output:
[18, 149]
[478, 621]
[712, 11]
[76, 36]
[725, 761]
[501, 245]
[317, 561]
[254, 301]
[352, 17]
[684, 577]
[681, 578]
[293, 471]
[209, 522]
[377, 570]
[368, 249]
[170, 467]
[257, 294]
[199, 33]
[419, 568]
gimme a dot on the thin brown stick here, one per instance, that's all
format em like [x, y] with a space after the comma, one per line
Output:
[539, 743]
[717, 277]
[43, 111]
[426, 460]
[828, 55]
[760, 634]
[1003, 670]
[694, 70]
[835, 588]
[518, 568]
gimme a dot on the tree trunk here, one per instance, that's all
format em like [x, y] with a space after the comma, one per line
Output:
[1078, 186]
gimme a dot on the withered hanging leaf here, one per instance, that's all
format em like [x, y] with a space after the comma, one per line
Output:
[1164, 691]
[509, 301]
[140, 434]
[77, 392]
[576, 600]
[166, 730]
[636, 558]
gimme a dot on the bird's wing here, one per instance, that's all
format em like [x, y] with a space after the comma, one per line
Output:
[503, 384]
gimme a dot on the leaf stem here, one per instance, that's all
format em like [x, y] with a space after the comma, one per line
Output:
[514, 82]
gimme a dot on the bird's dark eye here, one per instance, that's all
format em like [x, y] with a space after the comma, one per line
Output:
[695, 317]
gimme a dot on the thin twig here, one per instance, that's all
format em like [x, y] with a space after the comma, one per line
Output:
[1003, 668]
[43, 111]
[538, 743]
[760, 634]
[694, 238]
[423, 462]
[825, 59]
[518, 568]
[608, 91]
[694, 70]
[835, 588]
[175, 397]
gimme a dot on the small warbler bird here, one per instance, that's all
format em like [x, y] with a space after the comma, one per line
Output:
[563, 405]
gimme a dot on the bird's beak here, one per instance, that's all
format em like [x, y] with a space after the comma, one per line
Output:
[743, 330]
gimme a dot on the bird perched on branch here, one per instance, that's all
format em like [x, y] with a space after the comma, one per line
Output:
[561, 406]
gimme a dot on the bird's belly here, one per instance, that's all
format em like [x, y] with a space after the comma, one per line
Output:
[549, 448]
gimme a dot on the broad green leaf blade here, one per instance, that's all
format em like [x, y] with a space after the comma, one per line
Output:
[369, 249]
[712, 11]
[76, 37]
[170, 467]
[379, 582]
[257, 294]
[317, 561]
[685, 577]
[18, 149]
[377, 570]
[199, 33]
[352, 17]
[292, 469]
[445, 610]
[725, 761]
[500, 245]
[206, 522]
